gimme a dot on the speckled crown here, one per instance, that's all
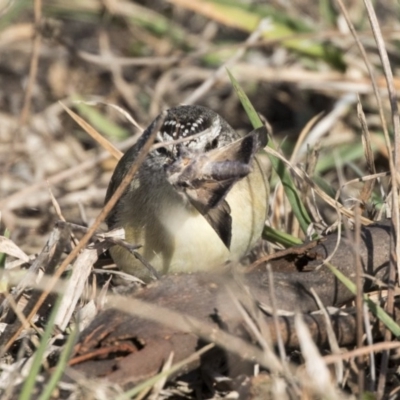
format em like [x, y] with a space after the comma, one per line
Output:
[185, 121]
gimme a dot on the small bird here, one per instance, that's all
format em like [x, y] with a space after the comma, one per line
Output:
[193, 205]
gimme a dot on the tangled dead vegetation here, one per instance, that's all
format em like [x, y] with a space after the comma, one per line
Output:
[285, 324]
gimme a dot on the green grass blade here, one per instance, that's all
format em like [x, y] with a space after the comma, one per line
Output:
[60, 368]
[29, 384]
[247, 17]
[378, 311]
[3, 256]
[347, 152]
[100, 122]
[285, 239]
[290, 189]
[248, 107]
[16, 9]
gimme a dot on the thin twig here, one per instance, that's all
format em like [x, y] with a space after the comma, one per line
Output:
[33, 68]
[332, 358]
[221, 71]
[359, 298]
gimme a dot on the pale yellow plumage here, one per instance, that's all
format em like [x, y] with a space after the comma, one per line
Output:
[174, 235]
[179, 239]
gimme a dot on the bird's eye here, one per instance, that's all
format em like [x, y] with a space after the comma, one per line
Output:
[163, 151]
[212, 145]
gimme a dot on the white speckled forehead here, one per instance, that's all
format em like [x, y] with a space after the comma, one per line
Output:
[202, 131]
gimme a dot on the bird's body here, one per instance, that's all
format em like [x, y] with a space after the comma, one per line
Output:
[192, 206]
